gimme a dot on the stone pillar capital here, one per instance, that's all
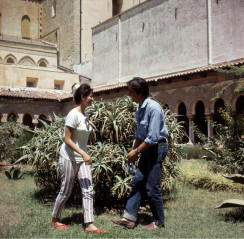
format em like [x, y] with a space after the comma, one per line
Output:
[209, 116]
[191, 117]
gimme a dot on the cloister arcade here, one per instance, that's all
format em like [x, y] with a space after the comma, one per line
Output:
[203, 120]
[27, 119]
[196, 116]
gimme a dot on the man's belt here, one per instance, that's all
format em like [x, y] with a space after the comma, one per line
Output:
[162, 140]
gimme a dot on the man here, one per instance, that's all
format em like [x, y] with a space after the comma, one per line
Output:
[151, 143]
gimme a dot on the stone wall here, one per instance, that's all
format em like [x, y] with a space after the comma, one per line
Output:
[12, 13]
[70, 27]
[63, 29]
[45, 78]
[164, 36]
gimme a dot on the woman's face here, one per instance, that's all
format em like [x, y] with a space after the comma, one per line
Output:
[87, 100]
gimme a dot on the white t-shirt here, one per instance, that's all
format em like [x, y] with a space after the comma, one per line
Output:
[82, 129]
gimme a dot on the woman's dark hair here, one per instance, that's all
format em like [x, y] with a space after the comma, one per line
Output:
[139, 85]
[84, 90]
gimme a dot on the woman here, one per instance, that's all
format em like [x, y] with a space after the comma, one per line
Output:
[74, 160]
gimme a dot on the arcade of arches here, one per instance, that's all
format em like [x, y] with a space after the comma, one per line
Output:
[26, 119]
[204, 120]
[199, 117]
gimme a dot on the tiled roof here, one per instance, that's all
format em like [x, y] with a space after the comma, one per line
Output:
[176, 74]
[34, 94]
[54, 95]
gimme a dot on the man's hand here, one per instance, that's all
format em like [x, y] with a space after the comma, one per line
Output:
[131, 156]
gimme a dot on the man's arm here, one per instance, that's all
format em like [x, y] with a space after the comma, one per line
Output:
[138, 147]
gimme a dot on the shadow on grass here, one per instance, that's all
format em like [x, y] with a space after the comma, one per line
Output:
[236, 215]
[144, 218]
[76, 218]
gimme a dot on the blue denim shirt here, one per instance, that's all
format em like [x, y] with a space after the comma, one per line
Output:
[151, 126]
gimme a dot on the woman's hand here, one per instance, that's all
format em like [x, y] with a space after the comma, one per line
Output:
[87, 159]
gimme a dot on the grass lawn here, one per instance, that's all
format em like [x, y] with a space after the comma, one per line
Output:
[190, 214]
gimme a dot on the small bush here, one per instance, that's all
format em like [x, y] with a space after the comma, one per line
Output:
[226, 147]
[11, 132]
[191, 151]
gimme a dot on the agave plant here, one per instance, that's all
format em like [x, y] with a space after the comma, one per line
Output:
[114, 126]
[14, 173]
[122, 186]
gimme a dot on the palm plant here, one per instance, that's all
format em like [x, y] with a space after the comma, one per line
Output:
[122, 186]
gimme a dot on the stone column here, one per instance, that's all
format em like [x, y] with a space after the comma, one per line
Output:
[35, 121]
[191, 129]
[4, 118]
[209, 118]
[20, 118]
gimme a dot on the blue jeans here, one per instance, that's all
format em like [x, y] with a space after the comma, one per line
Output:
[148, 174]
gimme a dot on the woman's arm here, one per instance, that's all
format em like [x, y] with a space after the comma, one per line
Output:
[68, 140]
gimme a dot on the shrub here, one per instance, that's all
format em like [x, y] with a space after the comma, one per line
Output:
[227, 145]
[11, 132]
[114, 126]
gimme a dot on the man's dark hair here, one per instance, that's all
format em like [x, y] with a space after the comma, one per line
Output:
[139, 85]
[84, 90]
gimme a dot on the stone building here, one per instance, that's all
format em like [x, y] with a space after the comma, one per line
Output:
[46, 46]
[40, 43]
[177, 46]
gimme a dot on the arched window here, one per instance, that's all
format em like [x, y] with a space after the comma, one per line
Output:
[0, 24]
[10, 60]
[27, 120]
[218, 106]
[25, 27]
[43, 64]
[240, 105]
[43, 118]
[12, 117]
[54, 8]
[184, 121]
[200, 120]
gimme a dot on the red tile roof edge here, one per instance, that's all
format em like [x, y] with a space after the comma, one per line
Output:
[177, 74]
[33, 94]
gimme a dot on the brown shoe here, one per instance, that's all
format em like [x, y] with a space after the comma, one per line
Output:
[153, 226]
[124, 222]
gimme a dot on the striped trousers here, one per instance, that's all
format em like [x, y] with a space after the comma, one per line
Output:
[69, 170]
